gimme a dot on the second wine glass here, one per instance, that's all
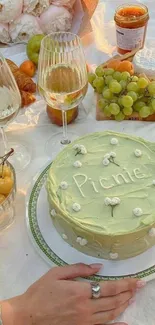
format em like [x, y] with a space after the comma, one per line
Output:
[62, 79]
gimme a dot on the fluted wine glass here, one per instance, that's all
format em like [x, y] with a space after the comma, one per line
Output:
[62, 80]
[10, 103]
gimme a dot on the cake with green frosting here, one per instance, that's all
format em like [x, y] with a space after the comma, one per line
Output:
[101, 192]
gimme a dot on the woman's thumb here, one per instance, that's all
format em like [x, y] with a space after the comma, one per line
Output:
[75, 271]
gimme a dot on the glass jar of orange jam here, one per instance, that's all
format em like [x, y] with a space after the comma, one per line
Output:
[131, 25]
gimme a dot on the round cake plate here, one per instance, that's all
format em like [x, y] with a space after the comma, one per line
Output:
[55, 251]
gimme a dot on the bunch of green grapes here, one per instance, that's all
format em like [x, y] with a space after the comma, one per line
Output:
[122, 94]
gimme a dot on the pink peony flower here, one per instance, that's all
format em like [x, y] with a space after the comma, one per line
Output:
[24, 27]
[10, 10]
[36, 7]
[4, 33]
[66, 3]
[55, 19]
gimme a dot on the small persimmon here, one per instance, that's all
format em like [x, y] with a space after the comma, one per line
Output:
[28, 67]
[126, 66]
[113, 64]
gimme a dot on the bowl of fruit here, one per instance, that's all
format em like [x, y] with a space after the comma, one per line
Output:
[7, 192]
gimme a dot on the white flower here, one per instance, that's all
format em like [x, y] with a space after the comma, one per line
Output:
[115, 201]
[113, 154]
[113, 256]
[106, 162]
[152, 232]
[138, 212]
[153, 182]
[83, 242]
[53, 213]
[64, 185]
[64, 237]
[76, 146]
[107, 156]
[76, 207]
[78, 240]
[83, 150]
[107, 201]
[138, 153]
[114, 141]
[77, 164]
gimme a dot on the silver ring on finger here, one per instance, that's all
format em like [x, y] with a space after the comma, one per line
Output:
[96, 290]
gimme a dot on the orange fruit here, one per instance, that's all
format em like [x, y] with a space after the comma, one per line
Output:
[28, 67]
[113, 64]
[126, 66]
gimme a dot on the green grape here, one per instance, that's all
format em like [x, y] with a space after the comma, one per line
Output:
[98, 82]
[120, 101]
[119, 117]
[115, 87]
[102, 103]
[107, 111]
[142, 83]
[127, 101]
[144, 111]
[109, 72]
[107, 94]
[108, 79]
[151, 109]
[133, 95]
[135, 78]
[91, 77]
[127, 111]
[132, 86]
[125, 75]
[142, 91]
[114, 99]
[117, 75]
[99, 71]
[138, 105]
[123, 84]
[99, 90]
[153, 103]
[114, 108]
[151, 88]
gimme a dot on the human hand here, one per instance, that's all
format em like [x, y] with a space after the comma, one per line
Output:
[57, 299]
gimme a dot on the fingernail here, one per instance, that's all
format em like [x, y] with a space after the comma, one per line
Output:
[131, 301]
[96, 266]
[140, 284]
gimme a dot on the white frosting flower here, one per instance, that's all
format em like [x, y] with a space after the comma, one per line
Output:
[114, 141]
[77, 164]
[115, 201]
[78, 240]
[76, 207]
[138, 212]
[106, 162]
[107, 201]
[113, 154]
[83, 150]
[53, 213]
[107, 156]
[152, 232]
[64, 185]
[83, 242]
[113, 256]
[76, 146]
[153, 182]
[64, 237]
[138, 153]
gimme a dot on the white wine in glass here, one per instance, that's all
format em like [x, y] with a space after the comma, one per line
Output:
[63, 80]
[10, 103]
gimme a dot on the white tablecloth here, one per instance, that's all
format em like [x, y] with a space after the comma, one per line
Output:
[20, 265]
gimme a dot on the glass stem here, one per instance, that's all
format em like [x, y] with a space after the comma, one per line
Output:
[65, 139]
[4, 138]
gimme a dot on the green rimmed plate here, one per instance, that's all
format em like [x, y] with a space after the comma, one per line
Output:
[55, 251]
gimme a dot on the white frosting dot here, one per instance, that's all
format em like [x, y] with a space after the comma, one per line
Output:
[77, 164]
[113, 154]
[138, 212]
[76, 146]
[114, 256]
[83, 242]
[152, 232]
[138, 153]
[76, 207]
[53, 213]
[115, 201]
[64, 237]
[106, 162]
[107, 155]
[114, 141]
[78, 240]
[153, 182]
[83, 150]
[107, 201]
[64, 185]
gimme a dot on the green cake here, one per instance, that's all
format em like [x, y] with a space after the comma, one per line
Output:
[101, 192]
